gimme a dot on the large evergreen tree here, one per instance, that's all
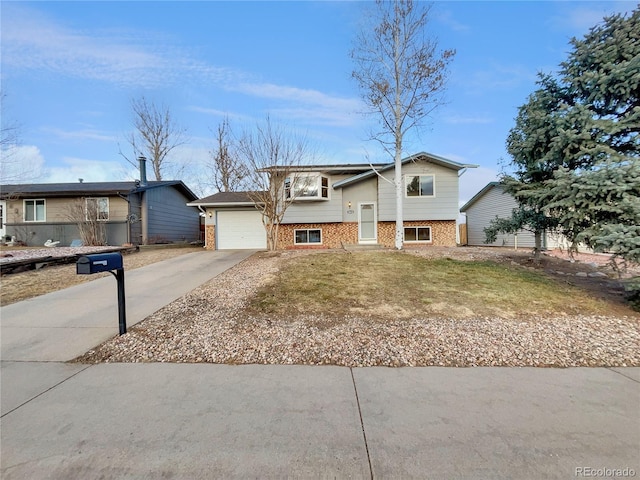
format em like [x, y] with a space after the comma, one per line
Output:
[534, 159]
[575, 147]
[599, 204]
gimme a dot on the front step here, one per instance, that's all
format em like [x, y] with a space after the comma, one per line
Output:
[360, 247]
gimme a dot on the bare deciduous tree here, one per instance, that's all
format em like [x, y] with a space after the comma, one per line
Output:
[274, 155]
[228, 172]
[86, 214]
[401, 75]
[155, 135]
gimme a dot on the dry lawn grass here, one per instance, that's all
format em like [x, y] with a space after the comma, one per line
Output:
[399, 285]
[24, 285]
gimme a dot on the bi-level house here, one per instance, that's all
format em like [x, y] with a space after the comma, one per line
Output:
[346, 205]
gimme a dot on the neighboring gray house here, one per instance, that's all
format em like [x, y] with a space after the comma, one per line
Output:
[491, 202]
[334, 205]
[137, 212]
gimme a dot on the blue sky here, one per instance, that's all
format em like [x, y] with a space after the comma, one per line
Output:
[70, 70]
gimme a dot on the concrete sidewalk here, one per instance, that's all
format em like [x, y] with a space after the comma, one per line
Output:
[200, 421]
[62, 325]
[149, 421]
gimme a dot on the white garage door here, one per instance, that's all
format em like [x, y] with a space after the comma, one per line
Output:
[240, 230]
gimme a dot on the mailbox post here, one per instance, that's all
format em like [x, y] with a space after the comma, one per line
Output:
[107, 262]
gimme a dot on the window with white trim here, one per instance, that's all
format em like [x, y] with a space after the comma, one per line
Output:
[307, 187]
[419, 185]
[417, 234]
[34, 210]
[310, 236]
[97, 208]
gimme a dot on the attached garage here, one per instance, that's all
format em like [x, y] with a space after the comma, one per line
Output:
[231, 222]
[240, 229]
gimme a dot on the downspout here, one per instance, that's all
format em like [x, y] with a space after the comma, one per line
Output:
[204, 215]
[126, 199]
[457, 224]
[144, 217]
[144, 212]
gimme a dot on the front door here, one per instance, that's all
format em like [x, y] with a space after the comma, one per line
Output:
[3, 219]
[367, 224]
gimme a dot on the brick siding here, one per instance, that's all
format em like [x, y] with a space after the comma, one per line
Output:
[334, 235]
[210, 237]
[443, 233]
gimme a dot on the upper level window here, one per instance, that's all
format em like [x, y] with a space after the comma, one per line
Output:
[307, 187]
[34, 211]
[97, 208]
[419, 185]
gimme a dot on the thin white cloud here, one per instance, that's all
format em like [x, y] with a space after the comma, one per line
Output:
[446, 18]
[87, 134]
[319, 116]
[214, 112]
[577, 19]
[306, 105]
[73, 168]
[21, 164]
[34, 42]
[308, 96]
[498, 77]
[208, 111]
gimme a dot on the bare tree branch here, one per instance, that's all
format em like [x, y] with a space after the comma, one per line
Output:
[154, 136]
[228, 172]
[274, 156]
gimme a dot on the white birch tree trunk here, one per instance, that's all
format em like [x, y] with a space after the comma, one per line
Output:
[398, 185]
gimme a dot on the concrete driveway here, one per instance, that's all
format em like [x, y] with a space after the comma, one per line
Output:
[62, 325]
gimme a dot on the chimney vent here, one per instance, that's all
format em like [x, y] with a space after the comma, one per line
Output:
[143, 171]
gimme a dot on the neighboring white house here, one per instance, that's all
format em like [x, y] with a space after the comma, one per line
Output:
[491, 202]
[346, 204]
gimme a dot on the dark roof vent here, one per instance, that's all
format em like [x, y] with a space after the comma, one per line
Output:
[143, 171]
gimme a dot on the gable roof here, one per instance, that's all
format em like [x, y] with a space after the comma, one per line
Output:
[224, 198]
[343, 168]
[479, 195]
[430, 157]
[361, 171]
[89, 188]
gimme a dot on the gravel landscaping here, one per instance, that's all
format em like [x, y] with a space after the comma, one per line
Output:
[210, 325]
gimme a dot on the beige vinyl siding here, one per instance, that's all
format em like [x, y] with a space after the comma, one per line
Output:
[317, 211]
[442, 206]
[57, 209]
[494, 203]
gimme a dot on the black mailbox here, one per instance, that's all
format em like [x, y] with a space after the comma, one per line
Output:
[100, 262]
[107, 262]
